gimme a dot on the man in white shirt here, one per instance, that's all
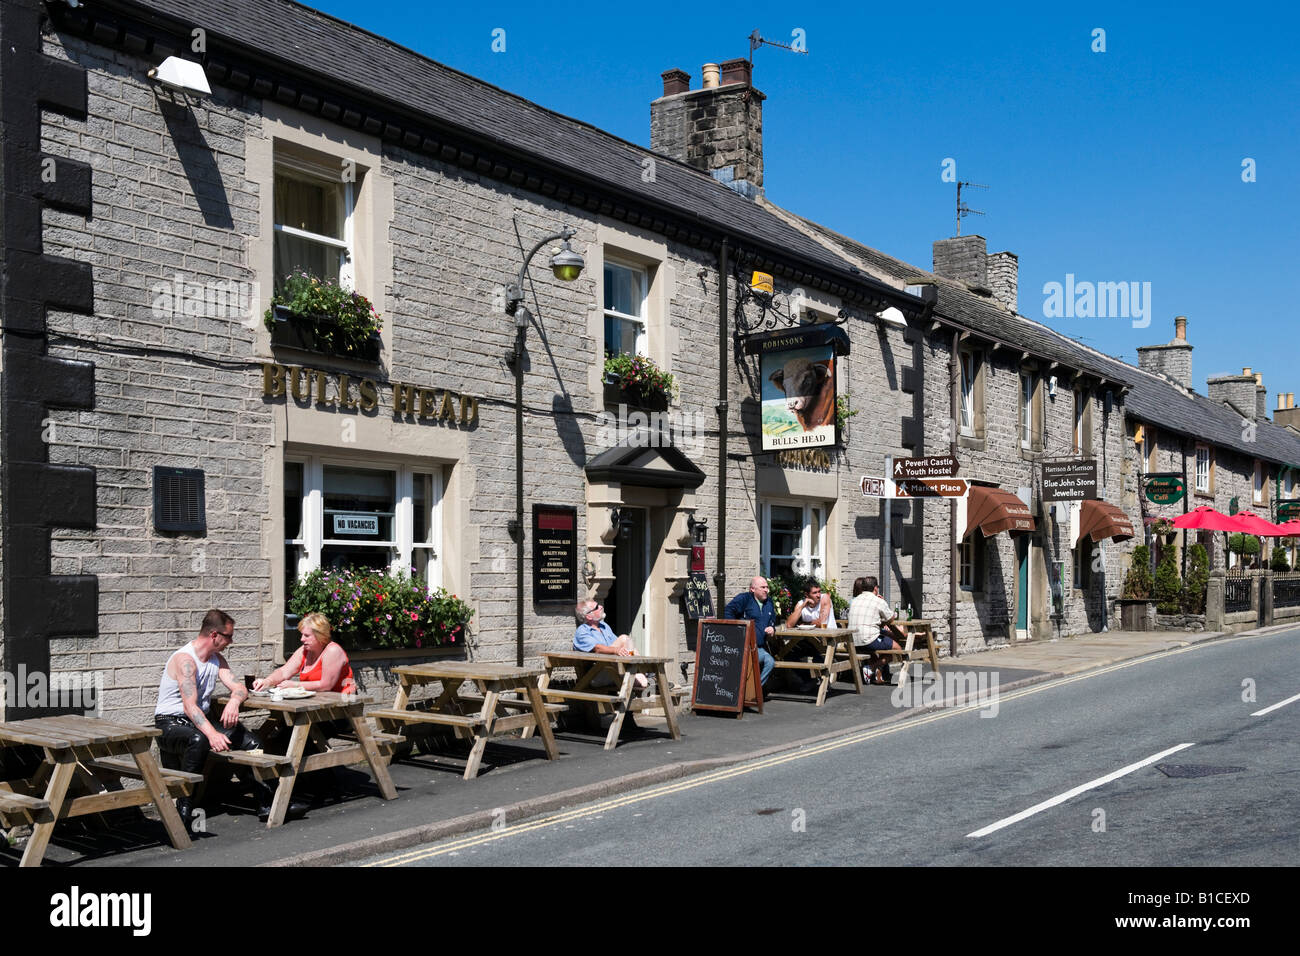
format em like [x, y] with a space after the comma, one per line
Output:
[873, 620]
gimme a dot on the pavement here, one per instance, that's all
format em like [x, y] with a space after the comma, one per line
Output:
[347, 821]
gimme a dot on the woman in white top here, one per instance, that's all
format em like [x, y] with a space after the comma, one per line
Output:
[814, 608]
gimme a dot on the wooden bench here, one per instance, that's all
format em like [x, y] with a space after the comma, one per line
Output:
[246, 758]
[180, 783]
[514, 703]
[19, 808]
[426, 717]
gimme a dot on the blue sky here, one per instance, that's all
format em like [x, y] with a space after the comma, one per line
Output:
[1115, 166]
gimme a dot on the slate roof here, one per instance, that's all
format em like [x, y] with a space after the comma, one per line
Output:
[1151, 398]
[347, 57]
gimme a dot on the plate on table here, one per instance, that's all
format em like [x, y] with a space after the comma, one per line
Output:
[296, 693]
[805, 627]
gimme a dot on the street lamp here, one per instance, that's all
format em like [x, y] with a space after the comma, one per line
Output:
[567, 265]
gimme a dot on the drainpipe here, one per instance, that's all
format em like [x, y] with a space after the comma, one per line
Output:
[954, 396]
[720, 576]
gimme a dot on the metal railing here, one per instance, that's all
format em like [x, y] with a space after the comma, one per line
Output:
[1286, 590]
[1236, 592]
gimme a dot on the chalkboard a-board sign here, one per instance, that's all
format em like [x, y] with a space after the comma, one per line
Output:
[726, 667]
[699, 599]
[555, 553]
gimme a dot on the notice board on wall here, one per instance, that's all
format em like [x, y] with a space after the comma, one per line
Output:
[555, 553]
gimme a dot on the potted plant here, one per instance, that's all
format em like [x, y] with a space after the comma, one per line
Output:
[370, 610]
[321, 316]
[1168, 584]
[843, 412]
[1135, 597]
[1198, 579]
[637, 380]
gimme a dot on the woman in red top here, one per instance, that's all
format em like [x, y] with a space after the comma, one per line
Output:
[319, 664]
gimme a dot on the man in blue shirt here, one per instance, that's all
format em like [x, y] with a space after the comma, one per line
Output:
[755, 605]
[594, 636]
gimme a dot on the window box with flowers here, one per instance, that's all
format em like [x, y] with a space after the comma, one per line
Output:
[369, 610]
[635, 380]
[318, 315]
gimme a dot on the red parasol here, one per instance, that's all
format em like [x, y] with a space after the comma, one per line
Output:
[1250, 523]
[1205, 518]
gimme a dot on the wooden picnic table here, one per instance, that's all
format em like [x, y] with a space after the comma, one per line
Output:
[834, 644]
[919, 646]
[79, 753]
[305, 716]
[619, 673]
[504, 698]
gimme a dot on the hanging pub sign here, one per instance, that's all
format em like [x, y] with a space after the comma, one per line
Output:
[1286, 510]
[797, 379]
[1165, 489]
[555, 553]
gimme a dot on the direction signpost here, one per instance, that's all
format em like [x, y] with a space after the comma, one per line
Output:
[935, 466]
[932, 488]
[915, 488]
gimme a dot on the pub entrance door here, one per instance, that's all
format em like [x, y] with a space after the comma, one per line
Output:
[628, 603]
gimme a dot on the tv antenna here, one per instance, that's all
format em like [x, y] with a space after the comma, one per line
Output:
[756, 41]
[962, 209]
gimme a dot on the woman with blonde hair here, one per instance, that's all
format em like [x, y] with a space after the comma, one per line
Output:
[319, 664]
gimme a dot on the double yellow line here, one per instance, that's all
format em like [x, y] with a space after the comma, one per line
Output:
[568, 816]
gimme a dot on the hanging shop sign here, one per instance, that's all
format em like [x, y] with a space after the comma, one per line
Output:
[1070, 480]
[555, 553]
[1286, 510]
[797, 385]
[333, 391]
[1165, 489]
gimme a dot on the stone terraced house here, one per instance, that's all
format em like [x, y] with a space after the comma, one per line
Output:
[164, 450]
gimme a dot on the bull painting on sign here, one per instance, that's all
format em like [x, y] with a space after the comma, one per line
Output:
[798, 398]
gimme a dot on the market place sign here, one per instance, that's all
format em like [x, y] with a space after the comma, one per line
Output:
[329, 391]
[1165, 490]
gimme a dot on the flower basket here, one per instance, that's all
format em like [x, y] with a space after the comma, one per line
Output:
[370, 610]
[321, 316]
[315, 333]
[636, 380]
[651, 402]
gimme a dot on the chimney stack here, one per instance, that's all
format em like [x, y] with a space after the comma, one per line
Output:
[1286, 414]
[1239, 391]
[1004, 277]
[1261, 398]
[718, 128]
[1174, 360]
[963, 258]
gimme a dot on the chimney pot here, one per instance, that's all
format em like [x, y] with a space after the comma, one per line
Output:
[1180, 327]
[1290, 399]
[1245, 371]
[711, 75]
[676, 81]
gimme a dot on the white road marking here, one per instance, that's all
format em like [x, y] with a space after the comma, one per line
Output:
[1070, 794]
[1281, 703]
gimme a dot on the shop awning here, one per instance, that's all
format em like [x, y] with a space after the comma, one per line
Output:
[993, 511]
[1101, 519]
